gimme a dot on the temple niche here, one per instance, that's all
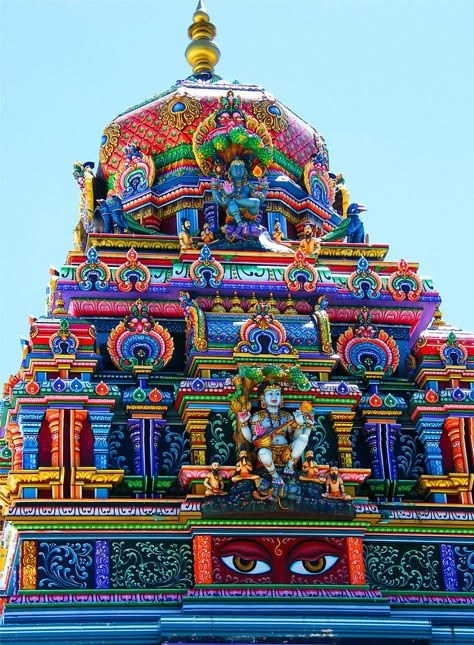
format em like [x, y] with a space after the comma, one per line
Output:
[236, 407]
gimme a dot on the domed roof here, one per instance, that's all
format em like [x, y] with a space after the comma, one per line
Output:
[165, 126]
[190, 125]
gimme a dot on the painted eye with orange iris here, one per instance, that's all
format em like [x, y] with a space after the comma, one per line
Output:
[279, 560]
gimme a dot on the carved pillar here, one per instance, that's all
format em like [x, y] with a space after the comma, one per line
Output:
[429, 431]
[356, 561]
[202, 559]
[448, 564]
[135, 430]
[55, 419]
[342, 423]
[454, 427]
[77, 420]
[381, 438]
[196, 422]
[157, 427]
[28, 565]
[30, 423]
[15, 441]
[100, 426]
[102, 564]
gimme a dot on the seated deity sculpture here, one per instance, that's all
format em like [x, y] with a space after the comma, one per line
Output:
[242, 201]
[244, 468]
[279, 437]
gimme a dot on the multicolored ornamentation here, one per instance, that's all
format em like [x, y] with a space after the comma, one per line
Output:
[229, 133]
[180, 111]
[202, 559]
[300, 274]
[195, 323]
[271, 114]
[132, 274]
[317, 181]
[404, 284]
[109, 142]
[363, 282]
[150, 564]
[135, 174]
[93, 274]
[262, 334]
[363, 349]
[84, 176]
[63, 341]
[453, 352]
[28, 565]
[139, 341]
[279, 560]
[206, 270]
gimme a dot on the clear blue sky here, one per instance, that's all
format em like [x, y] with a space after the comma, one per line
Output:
[389, 83]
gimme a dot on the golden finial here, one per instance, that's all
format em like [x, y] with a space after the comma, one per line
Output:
[218, 305]
[272, 304]
[438, 319]
[59, 309]
[290, 306]
[202, 53]
[253, 302]
[236, 307]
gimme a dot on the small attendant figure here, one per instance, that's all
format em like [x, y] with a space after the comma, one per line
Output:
[207, 236]
[184, 237]
[277, 233]
[244, 468]
[213, 483]
[335, 485]
[309, 245]
[310, 469]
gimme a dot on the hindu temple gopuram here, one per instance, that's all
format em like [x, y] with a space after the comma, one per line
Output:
[238, 421]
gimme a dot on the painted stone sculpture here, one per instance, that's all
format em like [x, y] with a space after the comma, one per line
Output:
[242, 201]
[280, 437]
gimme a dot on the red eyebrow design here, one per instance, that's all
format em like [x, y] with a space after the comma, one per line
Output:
[312, 550]
[247, 549]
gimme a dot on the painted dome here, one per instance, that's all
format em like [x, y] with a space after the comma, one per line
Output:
[200, 124]
[166, 128]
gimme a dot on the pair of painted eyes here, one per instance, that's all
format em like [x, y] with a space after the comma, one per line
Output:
[302, 567]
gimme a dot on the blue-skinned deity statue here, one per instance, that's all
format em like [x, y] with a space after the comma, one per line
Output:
[242, 200]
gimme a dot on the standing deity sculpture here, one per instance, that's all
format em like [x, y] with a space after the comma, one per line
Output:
[242, 200]
[279, 437]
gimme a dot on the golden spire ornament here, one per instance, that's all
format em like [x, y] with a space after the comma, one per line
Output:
[202, 53]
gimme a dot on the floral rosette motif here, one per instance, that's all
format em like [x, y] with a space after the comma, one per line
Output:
[140, 341]
[363, 282]
[132, 274]
[93, 273]
[453, 352]
[228, 134]
[261, 334]
[404, 284]
[300, 274]
[206, 270]
[363, 349]
[135, 174]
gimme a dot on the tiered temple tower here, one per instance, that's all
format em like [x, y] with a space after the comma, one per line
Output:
[239, 422]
